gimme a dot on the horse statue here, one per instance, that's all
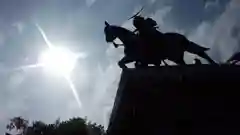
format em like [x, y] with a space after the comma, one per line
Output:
[135, 49]
[172, 45]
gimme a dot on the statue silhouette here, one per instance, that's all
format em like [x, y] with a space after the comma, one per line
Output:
[144, 24]
[234, 59]
[197, 61]
[134, 48]
[172, 45]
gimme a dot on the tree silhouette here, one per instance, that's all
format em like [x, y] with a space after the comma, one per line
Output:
[73, 126]
[19, 124]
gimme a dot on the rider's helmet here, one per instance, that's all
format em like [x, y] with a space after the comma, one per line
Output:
[138, 22]
[150, 23]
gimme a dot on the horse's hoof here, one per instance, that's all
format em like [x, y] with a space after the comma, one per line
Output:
[141, 66]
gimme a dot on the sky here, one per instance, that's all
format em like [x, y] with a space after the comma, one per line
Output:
[78, 25]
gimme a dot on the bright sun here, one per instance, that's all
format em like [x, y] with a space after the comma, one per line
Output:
[59, 61]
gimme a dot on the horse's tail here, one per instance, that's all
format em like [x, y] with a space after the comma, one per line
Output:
[195, 48]
[200, 51]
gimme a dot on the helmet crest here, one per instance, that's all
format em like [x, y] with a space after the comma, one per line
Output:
[137, 14]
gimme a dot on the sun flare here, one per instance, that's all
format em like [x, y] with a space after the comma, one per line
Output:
[59, 61]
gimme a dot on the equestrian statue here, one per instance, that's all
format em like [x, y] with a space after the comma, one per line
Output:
[147, 45]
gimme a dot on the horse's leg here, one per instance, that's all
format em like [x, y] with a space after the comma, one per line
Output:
[177, 57]
[165, 63]
[122, 63]
[158, 63]
[205, 56]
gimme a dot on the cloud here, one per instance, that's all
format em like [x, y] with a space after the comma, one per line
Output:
[104, 87]
[19, 26]
[235, 32]
[2, 39]
[218, 35]
[152, 1]
[211, 4]
[90, 2]
[160, 16]
[15, 80]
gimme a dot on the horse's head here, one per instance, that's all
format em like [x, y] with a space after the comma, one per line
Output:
[109, 32]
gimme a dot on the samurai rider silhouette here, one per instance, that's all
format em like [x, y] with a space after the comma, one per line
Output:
[148, 25]
[172, 45]
[150, 42]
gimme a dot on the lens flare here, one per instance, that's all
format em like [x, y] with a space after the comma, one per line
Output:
[74, 91]
[58, 60]
[49, 44]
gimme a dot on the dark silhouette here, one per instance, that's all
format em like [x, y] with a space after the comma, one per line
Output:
[134, 48]
[197, 61]
[17, 123]
[74, 126]
[234, 59]
[171, 45]
[186, 100]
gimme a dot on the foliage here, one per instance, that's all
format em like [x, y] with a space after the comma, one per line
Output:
[73, 126]
[18, 123]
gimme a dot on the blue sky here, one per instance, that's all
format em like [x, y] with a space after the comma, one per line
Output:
[78, 25]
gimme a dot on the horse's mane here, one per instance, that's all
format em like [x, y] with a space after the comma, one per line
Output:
[123, 30]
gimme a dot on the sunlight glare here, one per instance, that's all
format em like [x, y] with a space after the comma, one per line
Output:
[74, 91]
[60, 61]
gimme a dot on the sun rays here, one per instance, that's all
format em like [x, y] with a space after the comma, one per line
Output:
[58, 61]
